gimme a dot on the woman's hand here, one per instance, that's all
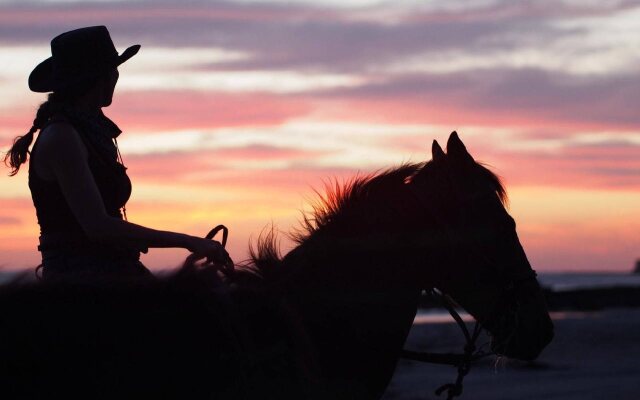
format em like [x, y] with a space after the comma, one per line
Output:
[210, 250]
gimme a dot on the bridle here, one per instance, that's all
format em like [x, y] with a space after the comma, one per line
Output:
[463, 361]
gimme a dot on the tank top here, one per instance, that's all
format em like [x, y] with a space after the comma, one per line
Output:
[54, 214]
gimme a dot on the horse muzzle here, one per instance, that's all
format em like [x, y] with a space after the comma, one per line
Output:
[523, 333]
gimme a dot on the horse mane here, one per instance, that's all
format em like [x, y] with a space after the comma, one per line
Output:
[340, 206]
[496, 181]
[344, 203]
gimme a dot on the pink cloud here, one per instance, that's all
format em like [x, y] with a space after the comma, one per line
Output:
[180, 165]
[13, 207]
[152, 111]
[128, 12]
[605, 165]
[275, 183]
[507, 10]
[8, 220]
[277, 180]
[598, 166]
[605, 242]
[523, 99]
[15, 122]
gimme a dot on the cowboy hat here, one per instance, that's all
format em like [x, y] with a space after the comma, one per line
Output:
[76, 57]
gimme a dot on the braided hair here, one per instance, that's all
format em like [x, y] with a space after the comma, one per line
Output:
[19, 152]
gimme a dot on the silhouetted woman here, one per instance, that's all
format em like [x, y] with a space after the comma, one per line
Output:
[78, 182]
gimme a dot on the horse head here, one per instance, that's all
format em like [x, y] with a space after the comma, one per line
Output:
[483, 265]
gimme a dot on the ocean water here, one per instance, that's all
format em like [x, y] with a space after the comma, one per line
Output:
[572, 281]
[7, 276]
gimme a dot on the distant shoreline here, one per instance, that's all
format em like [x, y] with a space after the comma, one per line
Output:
[585, 299]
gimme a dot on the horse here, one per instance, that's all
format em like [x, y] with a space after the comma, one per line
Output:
[328, 320]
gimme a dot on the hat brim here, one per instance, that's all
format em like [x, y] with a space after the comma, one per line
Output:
[41, 79]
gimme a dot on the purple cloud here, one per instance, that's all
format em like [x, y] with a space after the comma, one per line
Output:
[528, 95]
[303, 36]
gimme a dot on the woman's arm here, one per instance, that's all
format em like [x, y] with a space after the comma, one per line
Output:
[62, 152]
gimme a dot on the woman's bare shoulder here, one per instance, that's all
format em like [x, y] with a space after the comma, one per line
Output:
[60, 137]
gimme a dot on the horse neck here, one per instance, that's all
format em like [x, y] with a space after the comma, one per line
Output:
[387, 265]
[357, 329]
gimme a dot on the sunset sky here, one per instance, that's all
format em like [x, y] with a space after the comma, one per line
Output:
[234, 111]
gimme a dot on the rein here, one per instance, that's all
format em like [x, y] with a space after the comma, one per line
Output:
[227, 266]
[462, 361]
[225, 234]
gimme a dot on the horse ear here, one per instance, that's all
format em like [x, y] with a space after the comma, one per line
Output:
[456, 149]
[436, 151]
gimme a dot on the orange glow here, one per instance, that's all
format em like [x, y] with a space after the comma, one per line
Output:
[234, 112]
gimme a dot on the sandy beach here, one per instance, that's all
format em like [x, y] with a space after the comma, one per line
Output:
[594, 355]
